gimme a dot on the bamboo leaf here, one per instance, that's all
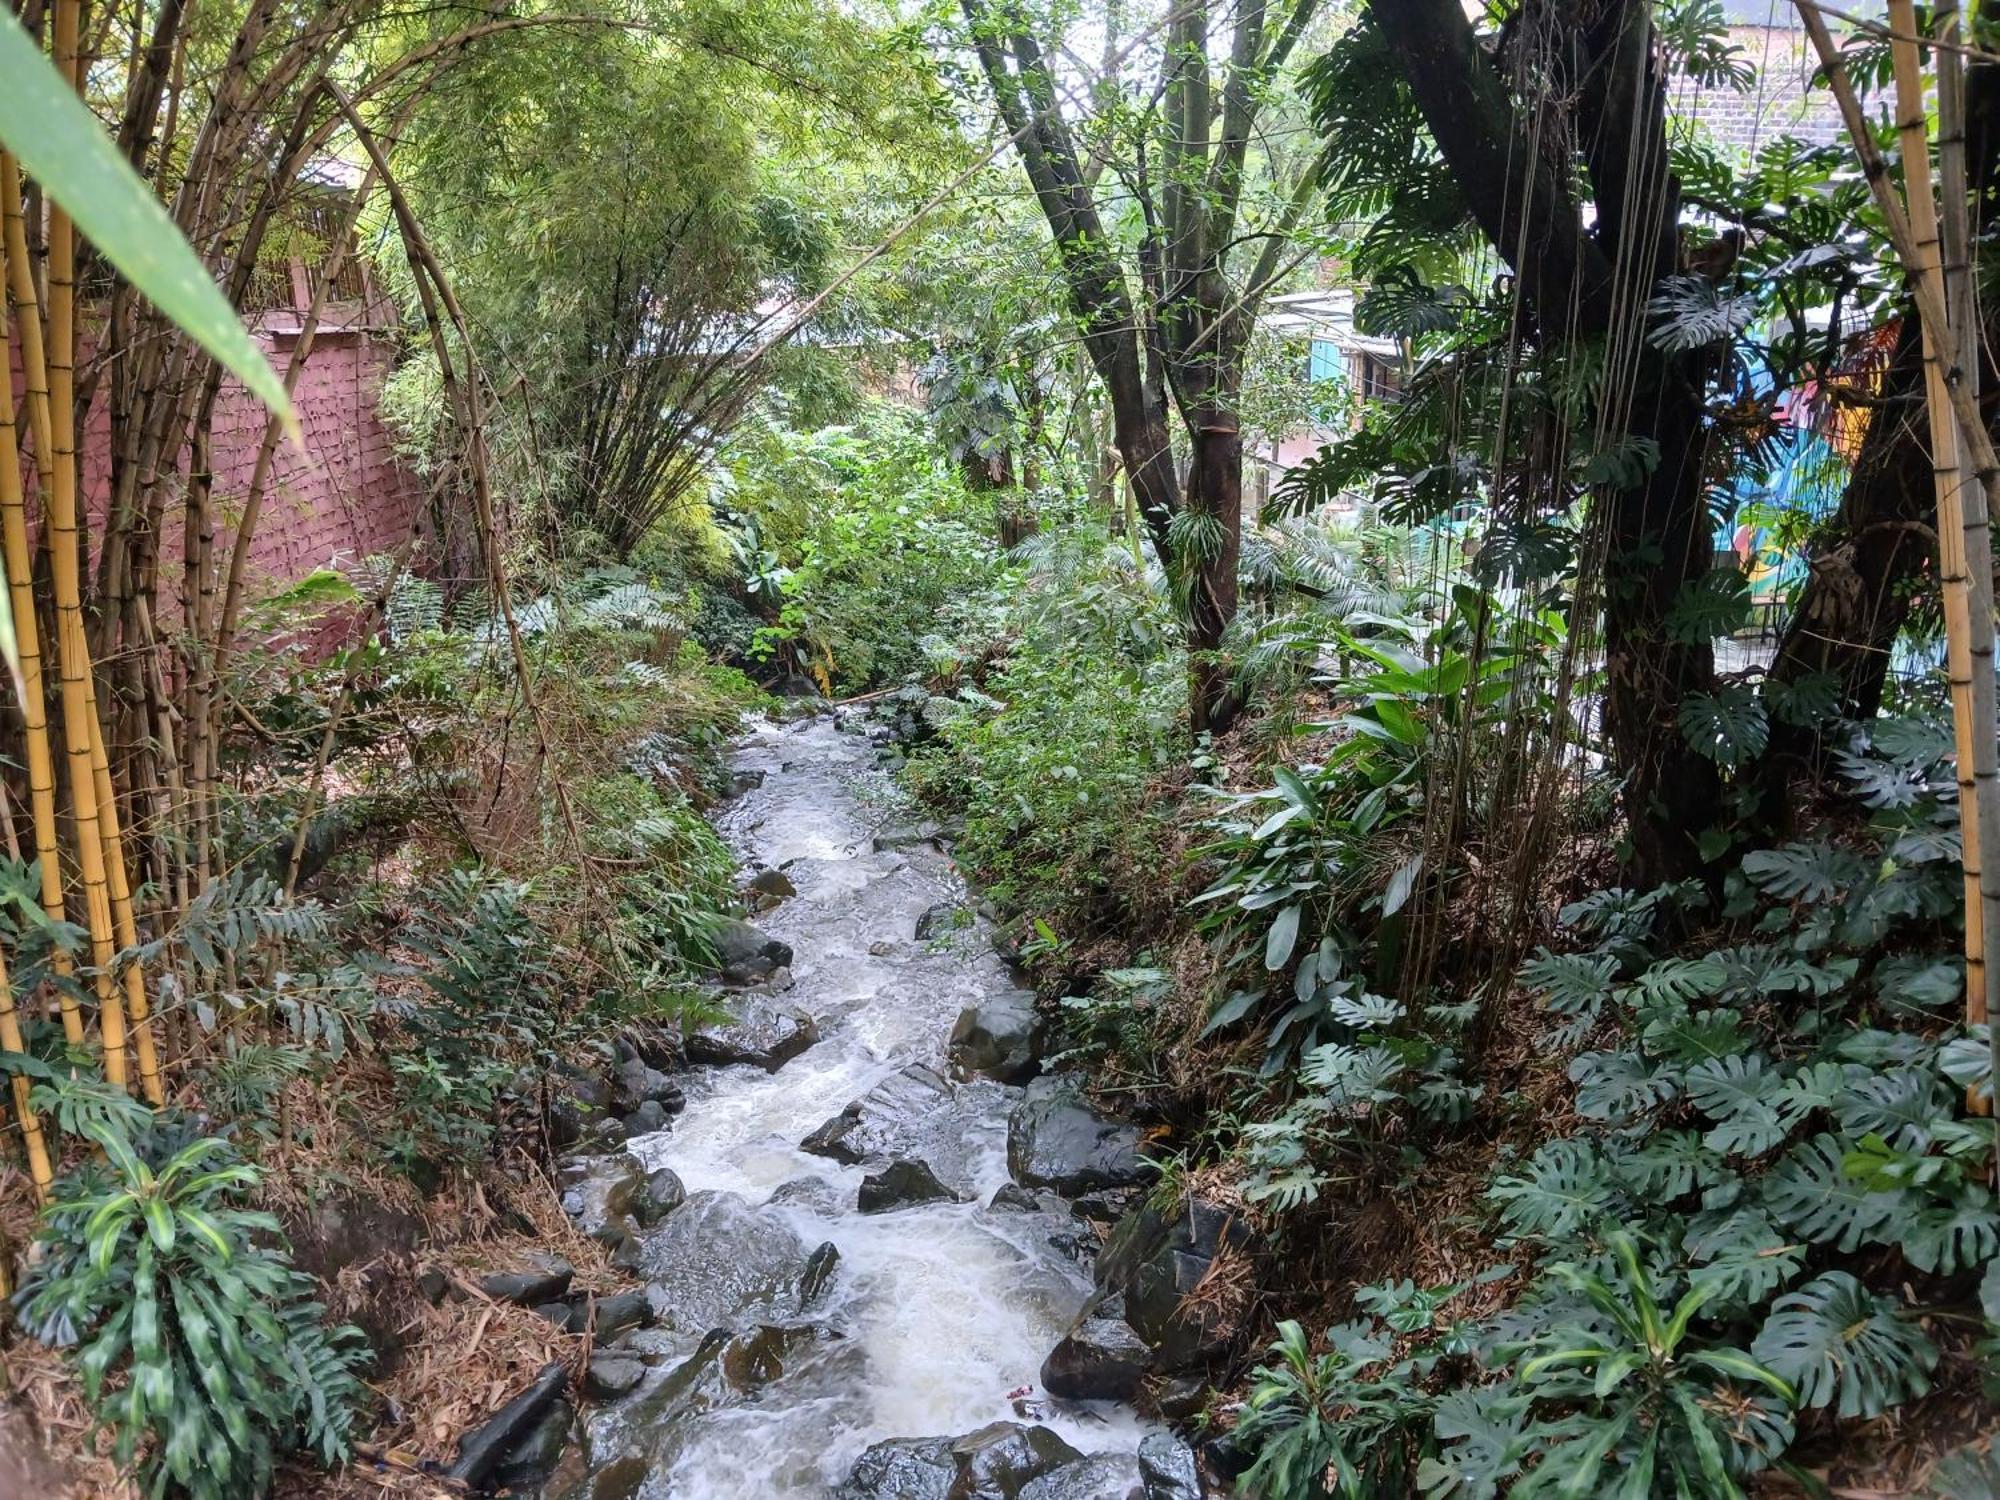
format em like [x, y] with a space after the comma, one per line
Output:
[63, 147]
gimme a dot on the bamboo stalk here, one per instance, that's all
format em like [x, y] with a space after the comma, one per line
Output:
[1979, 500]
[32, 1139]
[65, 552]
[21, 281]
[1948, 474]
[1961, 297]
[20, 579]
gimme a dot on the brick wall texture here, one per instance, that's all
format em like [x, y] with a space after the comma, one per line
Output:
[343, 497]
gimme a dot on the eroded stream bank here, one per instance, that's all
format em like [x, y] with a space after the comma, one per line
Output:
[869, 1249]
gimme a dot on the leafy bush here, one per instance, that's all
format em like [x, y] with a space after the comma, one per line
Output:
[870, 536]
[491, 1005]
[1052, 756]
[193, 1335]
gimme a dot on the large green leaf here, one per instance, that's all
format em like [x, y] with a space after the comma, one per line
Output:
[1836, 1340]
[63, 148]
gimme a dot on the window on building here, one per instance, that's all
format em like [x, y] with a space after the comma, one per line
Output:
[1377, 378]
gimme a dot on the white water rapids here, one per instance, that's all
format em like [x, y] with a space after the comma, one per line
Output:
[935, 1314]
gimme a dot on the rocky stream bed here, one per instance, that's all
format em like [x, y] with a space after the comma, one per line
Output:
[881, 1254]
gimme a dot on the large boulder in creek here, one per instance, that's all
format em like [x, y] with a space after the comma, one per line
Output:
[1167, 1468]
[901, 1184]
[998, 1038]
[1056, 1140]
[902, 1469]
[1155, 1259]
[745, 954]
[881, 1120]
[1001, 1459]
[765, 1033]
[1104, 1476]
[1099, 1359]
[716, 1261]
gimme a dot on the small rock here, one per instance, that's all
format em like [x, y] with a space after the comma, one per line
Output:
[636, 1084]
[1000, 1037]
[432, 1285]
[881, 948]
[649, 1118]
[939, 920]
[612, 1375]
[628, 1254]
[1102, 1208]
[622, 1310]
[818, 1272]
[755, 1359]
[660, 1194]
[1104, 1476]
[1055, 1140]
[745, 954]
[1178, 1398]
[814, 1194]
[544, 1279]
[901, 1184]
[1167, 1468]
[1011, 1195]
[745, 781]
[903, 835]
[568, 1319]
[1099, 1359]
[773, 883]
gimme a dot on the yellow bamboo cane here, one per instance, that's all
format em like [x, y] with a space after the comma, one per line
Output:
[32, 1139]
[1948, 472]
[66, 572]
[124, 923]
[20, 568]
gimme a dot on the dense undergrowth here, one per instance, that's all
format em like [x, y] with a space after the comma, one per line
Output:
[460, 933]
[1693, 1197]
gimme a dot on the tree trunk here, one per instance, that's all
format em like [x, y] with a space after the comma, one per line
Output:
[1215, 492]
[1576, 284]
[1658, 542]
[1865, 559]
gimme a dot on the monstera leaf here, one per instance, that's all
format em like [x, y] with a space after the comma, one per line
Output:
[1843, 1345]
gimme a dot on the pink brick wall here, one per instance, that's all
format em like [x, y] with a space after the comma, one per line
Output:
[343, 498]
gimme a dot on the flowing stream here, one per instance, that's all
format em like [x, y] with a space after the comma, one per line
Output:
[936, 1316]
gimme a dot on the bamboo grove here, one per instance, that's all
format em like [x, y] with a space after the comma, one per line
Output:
[127, 623]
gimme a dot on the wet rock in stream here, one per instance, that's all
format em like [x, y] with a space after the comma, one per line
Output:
[762, 1031]
[899, 1185]
[1056, 1140]
[902, 1469]
[1156, 1258]
[716, 1259]
[1106, 1476]
[745, 954]
[998, 1038]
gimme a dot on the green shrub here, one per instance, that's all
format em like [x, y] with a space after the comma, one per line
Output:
[1053, 758]
[866, 535]
[193, 1335]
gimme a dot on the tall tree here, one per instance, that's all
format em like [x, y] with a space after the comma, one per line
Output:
[1166, 312]
[1584, 206]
